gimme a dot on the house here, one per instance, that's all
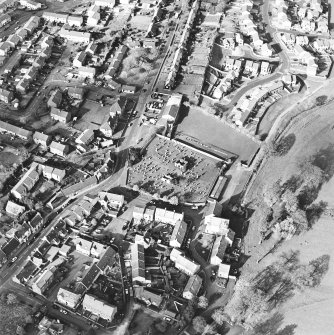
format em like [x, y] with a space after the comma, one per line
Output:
[216, 226]
[115, 201]
[64, 250]
[192, 287]
[26, 273]
[80, 59]
[75, 36]
[128, 89]
[183, 263]
[55, 17]
[5, 47]
[106, 129]
[107, 260]
[21, 34]
[98, 308]
[166, 216]
[55, 99]
[6, 96]
[150, 298]
[43, 281]
[60, 115]
[68, 298]
[97, 250]
[14, 209]
[58, 174]
[32, 24]
[89, 279]
[265, 69]
[149, 43]
[138, 263]
[93, 19]
[14, 130]
[4, 19]
[23, 85]
[149, 213]
[13, 40]
[59, 149]
[83, 246]
[223, 270]
[117, 108]
[9, 247]
[105, 3]
[76, 92]
[42, 139]
[31, 74]
[36, 223]
[181, 164]
[92, 48]
[85, 137]
[138, 214]
[75, 20]
[219, 247]
[87, 72]
[178, 234]
[31, 4]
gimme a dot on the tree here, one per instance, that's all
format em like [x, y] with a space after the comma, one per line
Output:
[156, 196]
[284, 229]
[290, 201]
[11, 299]
[165, 199]
[203, 302]
[135, 188]
[199, 324]
[220, 317]
[174, 200]
[272, 193]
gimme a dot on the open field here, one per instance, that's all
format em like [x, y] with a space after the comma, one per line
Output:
[314, 137]
[159, 162]
[211, 132]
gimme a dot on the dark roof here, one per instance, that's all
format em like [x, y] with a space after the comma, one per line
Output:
[179, 231]
[26, 271]
[10, 246]
[142, 293]
[44, 247]
[90, 277]
[107, 259]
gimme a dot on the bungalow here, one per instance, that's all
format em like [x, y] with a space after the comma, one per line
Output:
[59, 149]
[42, 139]
[6, 96]
[55, 99]
[192, 288]
[60, 115]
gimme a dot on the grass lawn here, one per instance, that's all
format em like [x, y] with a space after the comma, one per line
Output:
[216, 135]
[311, 309]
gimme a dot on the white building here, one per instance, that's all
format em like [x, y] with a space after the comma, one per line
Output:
[183, 263]
[170, 217]
[192, 288]
[99, 308]
[178, 234]
[75, 36]
[216, 226]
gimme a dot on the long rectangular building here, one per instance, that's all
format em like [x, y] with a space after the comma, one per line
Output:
[14, 130]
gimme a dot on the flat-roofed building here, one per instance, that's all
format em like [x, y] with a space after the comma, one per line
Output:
[216, 226]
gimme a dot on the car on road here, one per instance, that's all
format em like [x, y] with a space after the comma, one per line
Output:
[13, 259]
